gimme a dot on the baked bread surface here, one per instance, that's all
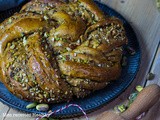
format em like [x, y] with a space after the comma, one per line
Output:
[51, 50]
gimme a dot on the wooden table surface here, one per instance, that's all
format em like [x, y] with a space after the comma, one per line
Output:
[145, 19]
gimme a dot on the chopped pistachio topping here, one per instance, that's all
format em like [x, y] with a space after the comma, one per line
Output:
[46, 34]
[139, 88]
[10, 20]
[57, 38]
[46, 17]
[158, 4]
[24, 41]
[150, 76]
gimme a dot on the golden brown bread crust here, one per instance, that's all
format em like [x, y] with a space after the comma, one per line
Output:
[41, 6]
[52, 50]
[91, 6]
[87, 9]
[24, 24]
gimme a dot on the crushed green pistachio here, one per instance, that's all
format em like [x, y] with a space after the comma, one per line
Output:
[86, 61]
[93, 22]
[158, 4]
[121, 108]
[46, 17]
[57, 38]
[31, 105]
[46, 34]
[64, 58]
[10, 20]
[150, 76]
[24, 41]
[139, 88]
[96, 43]
[22, 34]
[12, 46]
[132, 97]
[68, 49]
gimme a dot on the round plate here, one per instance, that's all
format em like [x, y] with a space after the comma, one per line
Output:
[96, 99]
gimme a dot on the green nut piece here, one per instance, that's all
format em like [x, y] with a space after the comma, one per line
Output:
[139, 88]
[31, 105]
[42, 107]
[150, 76]
[121, 108]
[133, 96]
[158, 4]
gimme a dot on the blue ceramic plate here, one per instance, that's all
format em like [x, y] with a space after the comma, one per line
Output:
[96, 99]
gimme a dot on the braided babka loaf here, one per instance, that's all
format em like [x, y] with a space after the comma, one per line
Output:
[52, 50]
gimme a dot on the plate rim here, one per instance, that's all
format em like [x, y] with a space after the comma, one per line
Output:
[96, 107]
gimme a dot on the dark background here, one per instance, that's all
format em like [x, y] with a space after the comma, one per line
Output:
[7, 4]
